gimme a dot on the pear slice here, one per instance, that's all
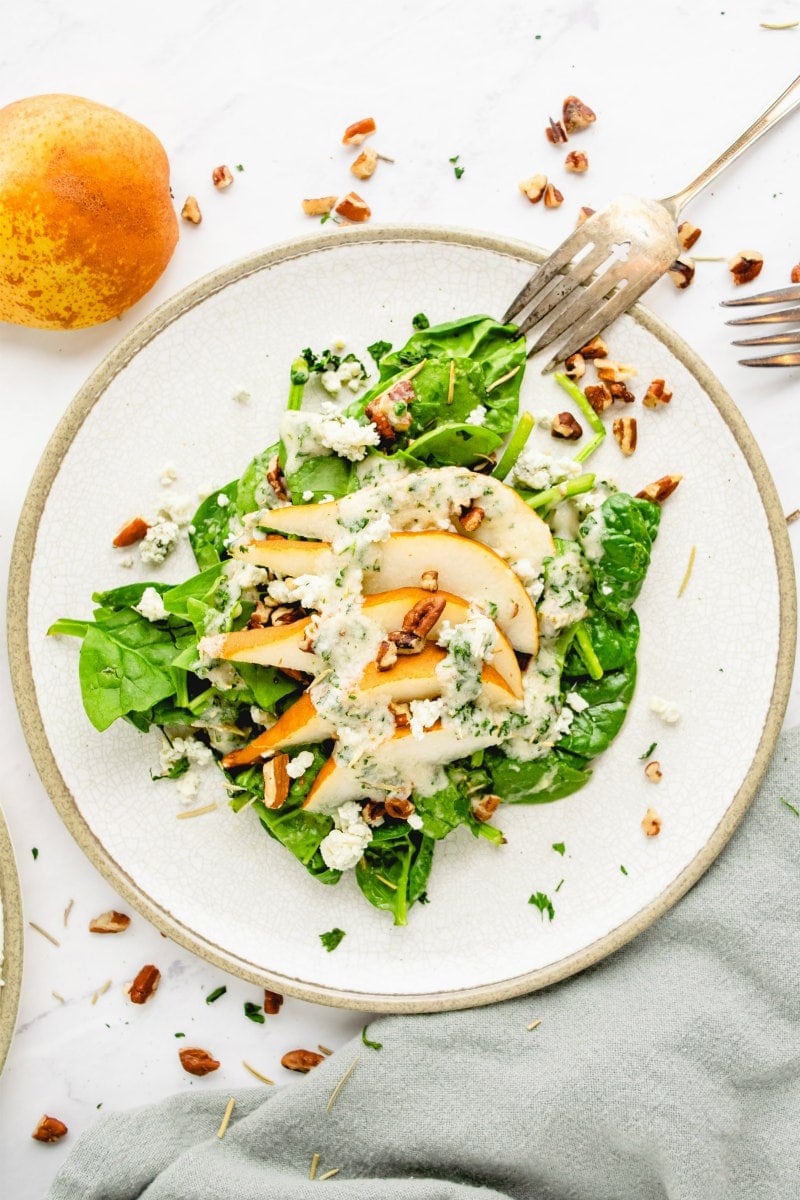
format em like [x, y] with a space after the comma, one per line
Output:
[509, 526]
[281, 645]
[413, 677]
[465, 567]
[409, 757]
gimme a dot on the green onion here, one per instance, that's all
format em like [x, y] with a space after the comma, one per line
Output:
[515, 446]
[576, 394]
[298, 378]
[586, 651]
[560, 491]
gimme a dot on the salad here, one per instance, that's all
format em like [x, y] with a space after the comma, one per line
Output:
[406, 614]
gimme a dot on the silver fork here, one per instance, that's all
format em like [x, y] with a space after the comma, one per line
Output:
[617, 254]
[782, 316]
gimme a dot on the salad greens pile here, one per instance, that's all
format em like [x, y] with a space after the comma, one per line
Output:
[150, 673]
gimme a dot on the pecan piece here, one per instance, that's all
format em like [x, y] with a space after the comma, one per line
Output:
[353, 208]
[373, 812]
[131, 533]
[659, 489]
[745, 266]
[651, 823]
[401, 711]
[596, 348]
[598, 396]
[191, 211]
[275, 478]
[576, 115]
[399, 807]
[364, 166]
[472, 518]
[533, 187]
[430, 580]
[552, 196]
[575, 367]
[302, 1060]
[565, 426]
[555, 133]
[584, 212]
[423, 616]
[286, 614]
[681, 273]
[688, 234]
[387, 656]
[197, 1061]
[653, 771]
[614, 372]
[110, 922]
[272, 1002]
[49, 1129]
[577, 162]
[221, 177]
[484, 806]
[355, 134]
[795, 273]
[624, 429]
[656, 394]
[620, 392]
[276, 781]
[145, 984]
[319, 206]
[407, 642]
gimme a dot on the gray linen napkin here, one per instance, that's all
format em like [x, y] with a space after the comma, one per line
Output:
[672, 1069]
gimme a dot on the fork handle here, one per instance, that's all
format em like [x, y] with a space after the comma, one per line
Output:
[781, 108]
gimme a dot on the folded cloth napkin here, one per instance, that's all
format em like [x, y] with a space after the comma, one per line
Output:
[672, 1069]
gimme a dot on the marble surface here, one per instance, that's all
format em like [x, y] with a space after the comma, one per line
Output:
[272, 87]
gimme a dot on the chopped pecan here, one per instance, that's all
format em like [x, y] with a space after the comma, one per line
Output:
[429, 580]
[353, 208]
[191, 211]
[376, 413]
[555, 133]
[651, 823]
[584, 212]
[286, 614]
[197, 1061]
[145, 984]
[423, 616]
[275, 478]
[401, 711]
[688, 234]
[659, 489]
[533, 187]
[355, 134]
[564, 425]
[681, 272]
[221, 177]
[596, 348]
[472, 518]
[576, 115]
[484, 806]
[795, 273]
[653, 771]
[302, 1060]
[276, 781]
[575, 367]
[407, 642]
[272, 1002]
[300, 676]
[624, 429]
[577, 162]
[745, 266]
[260, 616]
[598, 396]
[656, 394]
[373, 812]
[319, 206]
[620, 392]
[109, 922]
[552, 196]
[390, 413]
[399, 807]
[364, 166]
[49, 1129]
[131, 533]
[387, 656]
[614, 372]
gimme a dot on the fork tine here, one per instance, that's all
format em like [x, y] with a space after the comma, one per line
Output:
[783, 314]
[789, 293]
[773, 339]
[775, 360]
[551, 267]
[577, 274]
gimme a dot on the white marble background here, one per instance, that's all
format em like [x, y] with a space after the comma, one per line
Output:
[272, 86]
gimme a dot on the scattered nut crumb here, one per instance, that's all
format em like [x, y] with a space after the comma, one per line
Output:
[657, 394]
[598, 396]
[795, 274]
[584, 212]
[745, 266]
[534, 187]
[624, 430]
[564, 425]
[651, 823]
[575, 367]
[659, 489]
[653, 771]
[109, 922]
[576, 115]
[399, 807]
[196, 1061]
[681, 272]
[484, 806]
[49, 1129]
[272, 1002]
[688, 234]
[430, 580]
[221, 177]
[131, 533]
[552, 196]
[355, 134]
[596, 348]
[576, 162]
[364, 166]
[614, 372]
[320, 206]
[387, 656]
[555, 133]
[302, 1060]
[353, 208]
[191, 211]
[145, 984]
[471, 519]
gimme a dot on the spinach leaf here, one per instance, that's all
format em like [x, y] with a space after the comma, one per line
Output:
[124, 667]
[432, 386]
[383, 873]
[594, 729]
[626, 527]
[443, 811]
[250, 488]
[328, 476]
[211, 525]
[455, 444]
[539, 781]
[267, 685]
[200, 587]
[420, 870]
[126, 596]
[614, 641]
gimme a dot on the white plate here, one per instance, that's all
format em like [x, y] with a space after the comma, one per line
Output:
[722, 651]
[10, 941]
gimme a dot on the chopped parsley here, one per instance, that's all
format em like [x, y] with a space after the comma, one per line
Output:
[624, 870]
[379, 350]
[559, 848]
[367, 1042]
[174, 771]
[420, 321]
[457, 171]
[648, 751]
[327, 360]
[35, 851]
[179, 1035]
[543, 903]
[215, 995]
[239, 167]
[325, 217]
[796, 812]
[558, 889]
[253, 1012]
[331, 939]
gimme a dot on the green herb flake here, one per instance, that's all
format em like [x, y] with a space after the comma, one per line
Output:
[796, 811]
[559, 848]
[558, 889]
[35, 853]
[100, 1105]
[367, 1042]
[179, 1035]
[239, 167]
[457, 170]
[543, 903]
[624, 870]
[325, 217]
[648, 751]
[253, 1012]
[215, 995]
[331, 939]
[420, 321]
[379, 350]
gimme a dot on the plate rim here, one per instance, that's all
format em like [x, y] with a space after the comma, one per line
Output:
[44, 760]
[11, 967]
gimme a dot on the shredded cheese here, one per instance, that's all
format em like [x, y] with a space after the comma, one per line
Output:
[258, 1075]
[195, 812]
[342, 1082]
[226, 1118]
[688, 572]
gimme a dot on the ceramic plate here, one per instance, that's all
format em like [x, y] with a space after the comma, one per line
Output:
[11, 941]
[722, 651]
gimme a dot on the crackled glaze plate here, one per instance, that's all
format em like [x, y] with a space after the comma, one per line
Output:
[10, 941]
[722, 651]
